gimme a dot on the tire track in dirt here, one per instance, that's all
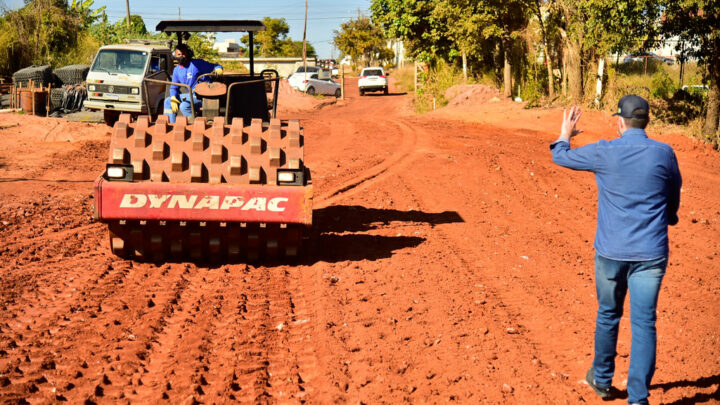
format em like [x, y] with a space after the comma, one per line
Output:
[231, 335]
[501, 314]
[107, 329]
[273, 364]
[50, 316]
[374, 174]
[176, 353]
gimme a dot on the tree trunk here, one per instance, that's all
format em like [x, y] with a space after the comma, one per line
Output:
[564, 73]
[546, 50]
[574, 71]
[713, 110]
[599, 81]
[548, 63]
[507, 73]
[464, 62]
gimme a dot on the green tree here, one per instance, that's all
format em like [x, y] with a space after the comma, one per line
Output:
[413, 22]
[696, 23]
[274, 41]
[202, 46]
[288, 47]
[268, 42]
[85, 13]
[464, 27]
[593, 28]
[39, 33]
[362, 40]
[107, 33]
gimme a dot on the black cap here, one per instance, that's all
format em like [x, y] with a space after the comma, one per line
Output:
[628, 104]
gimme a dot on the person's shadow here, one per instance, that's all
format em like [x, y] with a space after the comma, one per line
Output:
[337, 232]
[703, 382]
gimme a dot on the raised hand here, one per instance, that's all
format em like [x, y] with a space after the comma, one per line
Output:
[570, 120]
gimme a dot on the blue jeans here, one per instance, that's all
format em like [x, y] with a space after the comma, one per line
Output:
[613, 278]
[184, 107]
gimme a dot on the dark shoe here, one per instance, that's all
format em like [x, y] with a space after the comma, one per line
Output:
[603, 392]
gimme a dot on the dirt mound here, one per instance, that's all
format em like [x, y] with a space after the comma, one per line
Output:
[464, 94]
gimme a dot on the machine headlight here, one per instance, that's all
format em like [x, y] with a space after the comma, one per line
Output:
[91, 87]
[286, 177]
[291, 177]
[135, 90]
[116, 172]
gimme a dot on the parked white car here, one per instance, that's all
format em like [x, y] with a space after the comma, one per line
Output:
[373, 79]
[317, 83]
[296, 79]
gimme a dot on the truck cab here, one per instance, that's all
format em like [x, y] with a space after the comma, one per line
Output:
[115, 79]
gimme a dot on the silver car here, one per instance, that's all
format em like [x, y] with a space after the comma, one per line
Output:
[316, 83]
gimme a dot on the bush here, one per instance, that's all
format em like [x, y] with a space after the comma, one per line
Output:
[662, 85]
[234, 67]
[405, 78]
[534, 86]
[432, 85]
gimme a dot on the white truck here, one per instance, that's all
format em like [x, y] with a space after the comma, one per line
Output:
[115, 79]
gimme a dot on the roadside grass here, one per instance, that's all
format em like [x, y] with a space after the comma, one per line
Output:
[660, 84]
[235, 67]
[405, 79]
[433, 83]
[656, 81]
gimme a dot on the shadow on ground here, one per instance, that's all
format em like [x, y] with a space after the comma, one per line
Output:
[703, 382]
[384, 95]
[337, 237]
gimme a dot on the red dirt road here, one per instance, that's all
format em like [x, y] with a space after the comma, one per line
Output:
[451, 261]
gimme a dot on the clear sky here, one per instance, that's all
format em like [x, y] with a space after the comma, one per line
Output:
[324, 16]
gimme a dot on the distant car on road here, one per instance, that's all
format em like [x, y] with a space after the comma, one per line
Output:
[641, 56]
[373, 79]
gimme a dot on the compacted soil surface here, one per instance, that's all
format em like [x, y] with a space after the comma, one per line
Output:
[450, 261]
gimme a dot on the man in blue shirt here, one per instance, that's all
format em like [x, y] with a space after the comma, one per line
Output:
[638, 184]
[186, 72]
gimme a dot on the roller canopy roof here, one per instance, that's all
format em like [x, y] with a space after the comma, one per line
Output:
[210, 26]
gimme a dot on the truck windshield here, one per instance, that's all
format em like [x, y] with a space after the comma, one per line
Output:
[120, 61]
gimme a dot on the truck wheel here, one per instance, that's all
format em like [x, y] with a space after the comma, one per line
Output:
[311, 90]
[385, 91]
[362, 93]
[110, 117]
[338, 93]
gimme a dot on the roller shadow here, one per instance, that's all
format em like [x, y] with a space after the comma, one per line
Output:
[336, 236]
[703, 382]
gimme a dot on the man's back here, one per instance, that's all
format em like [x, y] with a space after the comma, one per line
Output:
[638, 197]
[638, 192]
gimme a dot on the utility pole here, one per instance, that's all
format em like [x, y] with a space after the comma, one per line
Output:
[127, 7]
[342, 82]
[305, 41]
[179, 18]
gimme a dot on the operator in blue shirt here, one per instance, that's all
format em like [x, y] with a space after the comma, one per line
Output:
[638, 184]
[186, 72]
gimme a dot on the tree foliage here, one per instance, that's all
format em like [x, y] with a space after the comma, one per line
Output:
[42, 32]
[696, 25]
[107, 33]
[363, 41]
[413, 22]
[275, 42]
